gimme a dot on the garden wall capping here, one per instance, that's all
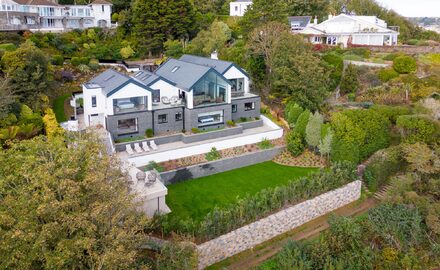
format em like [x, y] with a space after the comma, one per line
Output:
[218, 166]
[281, 222]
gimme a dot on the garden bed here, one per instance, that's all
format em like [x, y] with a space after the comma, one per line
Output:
[306, 159]
[226, 153]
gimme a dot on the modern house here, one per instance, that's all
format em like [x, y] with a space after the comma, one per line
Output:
[347, 30]
[239, 7]
[49, 16]
[182, 94]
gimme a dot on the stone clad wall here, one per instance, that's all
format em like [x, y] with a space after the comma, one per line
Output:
[267, 228]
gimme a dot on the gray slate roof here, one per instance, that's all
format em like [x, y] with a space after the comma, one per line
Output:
[219, 65]
[182, 73]
[302, 20]
[146, 77]
[109, 80]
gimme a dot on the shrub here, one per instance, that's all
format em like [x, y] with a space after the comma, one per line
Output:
[265, 144]
[415, 128]
[149, 133]
[386, 75]
[350, 81]
[75, 61]
[152, 165]
[353, 57]
[127, 52]
[363, 52]
[177, 255]
[391, 112]
[382, 166]
[51, 125]
[84, 60]
[292, 112]
[195, 130]
[57, 60]
[351, 97]
[412, 42]
[230, 123]
[344, 151]
[84, 69]
[214, 154]
[313, 129]
[94, 64]
[295, 143]
[390, 56]
[243, 119]
[7, 47]
[404, 64]
[301, 123]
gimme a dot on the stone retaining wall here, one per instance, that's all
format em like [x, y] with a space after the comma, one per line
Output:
[218, 166]
[286, 220]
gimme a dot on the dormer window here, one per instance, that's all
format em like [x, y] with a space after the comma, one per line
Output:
[176, 68]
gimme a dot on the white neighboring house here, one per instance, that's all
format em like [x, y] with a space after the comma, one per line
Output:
[49, 16]
[239, 7]
[349, 29]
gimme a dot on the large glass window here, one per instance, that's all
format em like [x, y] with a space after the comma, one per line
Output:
[211, 118]
[127, 126]
[47, 11]
[237, 88]
[133, 104]
[209, 90]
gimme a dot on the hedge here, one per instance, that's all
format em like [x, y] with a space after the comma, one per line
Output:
[414, 128]
[252, 208]
[391, 112]
[381, 166]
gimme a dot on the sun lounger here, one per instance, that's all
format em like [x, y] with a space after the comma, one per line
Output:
[138, 148]
[145, 146]
[153, 145]
[129, 149]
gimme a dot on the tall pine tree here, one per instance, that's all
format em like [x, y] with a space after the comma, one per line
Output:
[155, 21]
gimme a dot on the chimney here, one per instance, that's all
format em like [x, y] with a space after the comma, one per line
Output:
[330, 16]
[315, 21]
[214, 55]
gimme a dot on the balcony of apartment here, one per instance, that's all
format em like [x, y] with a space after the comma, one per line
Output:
[129, 105]
[237, 88]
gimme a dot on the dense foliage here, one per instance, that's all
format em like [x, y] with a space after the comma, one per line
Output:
[404, 64]
[70, 203]
[350, 81]
[415, 128]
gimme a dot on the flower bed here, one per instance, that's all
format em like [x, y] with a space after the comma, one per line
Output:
[306, 159]
[226, 153]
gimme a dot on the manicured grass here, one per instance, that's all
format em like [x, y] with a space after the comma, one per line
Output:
[58, 108]
[196, 198]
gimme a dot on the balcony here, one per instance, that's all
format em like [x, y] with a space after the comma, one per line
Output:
[235, 94]
[129, 105]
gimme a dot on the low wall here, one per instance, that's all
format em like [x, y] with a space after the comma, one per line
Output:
[408, 49]
[212, 135]
[218, 166]
[252, 124]
[286, 220]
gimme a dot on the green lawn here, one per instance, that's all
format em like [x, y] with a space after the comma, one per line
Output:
[195, 198]
[58, 108]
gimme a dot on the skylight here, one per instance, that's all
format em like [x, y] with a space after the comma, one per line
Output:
[175, 69]
[109, 78]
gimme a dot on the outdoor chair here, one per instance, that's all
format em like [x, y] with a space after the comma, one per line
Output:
[145, 146]
[129, 149]
[165, 100]
[153, 145]
[174, 100]
[138, 148]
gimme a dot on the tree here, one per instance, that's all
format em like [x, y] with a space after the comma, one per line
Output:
[208, 41]
[7, 97]
[325, 144]
[350, 81]
[414, 128]
[313, 129]
[295, 143]
[66, 207]
[155, 21]
[173, 48]
[28, 70]
[301, 123]
[126, 52]
[264, 11]
[292, 112]
[298, 73]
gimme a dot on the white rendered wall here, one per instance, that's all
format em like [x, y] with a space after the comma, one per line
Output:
[238, 8]
[129, 91]
[235, 73]
[98, 14]
[87, 103]
[202, 148]
[166, 89]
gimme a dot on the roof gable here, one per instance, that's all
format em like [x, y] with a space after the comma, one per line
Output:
[342, 17]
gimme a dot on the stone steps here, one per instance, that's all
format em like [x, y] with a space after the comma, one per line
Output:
[383, 193]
